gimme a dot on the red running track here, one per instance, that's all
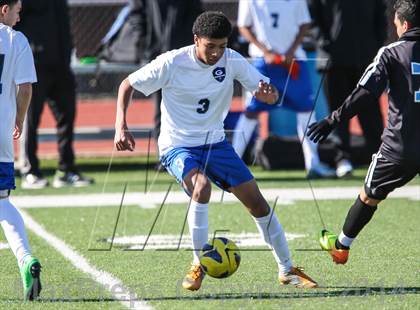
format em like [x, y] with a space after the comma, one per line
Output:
[101, 113]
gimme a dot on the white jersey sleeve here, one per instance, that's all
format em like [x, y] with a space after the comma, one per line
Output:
[152, 76]
[245, 73]
[302, 13]
[244, 14]
[16, 67]
[25, 68]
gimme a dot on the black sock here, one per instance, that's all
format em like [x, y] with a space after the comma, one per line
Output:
[339, 246]
[358, 216]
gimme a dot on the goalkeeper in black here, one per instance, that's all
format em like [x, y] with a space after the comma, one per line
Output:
[395, 69]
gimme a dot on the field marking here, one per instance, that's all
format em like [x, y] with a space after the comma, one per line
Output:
[242, 240]
[4, 246]
[154, 199]
[112, 284]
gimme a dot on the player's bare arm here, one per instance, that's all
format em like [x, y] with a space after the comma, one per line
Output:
[23, 98]
[290, 54]
[123, 139]
[269, 56]
[267, 93]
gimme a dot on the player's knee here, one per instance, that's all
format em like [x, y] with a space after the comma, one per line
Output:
[201, 188]
[368, 200]
[252, 115]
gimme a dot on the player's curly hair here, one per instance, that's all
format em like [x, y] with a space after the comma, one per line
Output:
[8, 2]
[212, 24]
[409, 11]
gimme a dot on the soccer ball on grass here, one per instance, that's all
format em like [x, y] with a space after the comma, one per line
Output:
[220, 257]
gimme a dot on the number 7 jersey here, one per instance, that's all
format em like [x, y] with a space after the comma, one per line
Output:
[16, 67]
[275, 23]
[195, 97]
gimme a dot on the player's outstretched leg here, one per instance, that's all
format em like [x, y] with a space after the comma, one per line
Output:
[272, 233]
[14, 230]
[198, 227]
[197, 183]
[358, 217]
[329, 242]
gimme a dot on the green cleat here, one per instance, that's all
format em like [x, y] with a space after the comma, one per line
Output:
[30, 273]
[327, 241]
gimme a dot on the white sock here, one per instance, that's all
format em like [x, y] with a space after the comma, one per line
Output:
[273, 234]
[344, 240]
[243, 133]
[198, 224]
[310, 151]
[14, 230]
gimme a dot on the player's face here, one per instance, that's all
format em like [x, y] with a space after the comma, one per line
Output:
[209, 51]
[11, 13]
[401, 26]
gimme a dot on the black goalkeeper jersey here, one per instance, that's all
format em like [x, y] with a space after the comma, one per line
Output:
[396, 68]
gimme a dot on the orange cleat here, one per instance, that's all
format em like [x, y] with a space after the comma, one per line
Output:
[298, 278]
[327, 241]
[194, 277]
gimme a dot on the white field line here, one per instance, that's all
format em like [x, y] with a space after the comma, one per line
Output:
[154, 199]
[242, 240]
[112, 284]
[4, 246]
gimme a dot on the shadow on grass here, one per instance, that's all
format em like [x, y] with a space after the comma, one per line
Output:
[66, 300]
[341, 292]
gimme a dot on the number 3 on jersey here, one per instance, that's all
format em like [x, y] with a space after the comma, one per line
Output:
[1, 71]
[415, 70]
[204, 106]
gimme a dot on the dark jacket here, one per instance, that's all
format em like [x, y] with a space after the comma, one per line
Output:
[170, 25]
[151, 28]
[396, 68]
[350, 32]
[46, 24]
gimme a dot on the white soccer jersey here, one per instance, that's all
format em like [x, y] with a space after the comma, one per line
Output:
[16, 67]
[275, 23]
[195, 97]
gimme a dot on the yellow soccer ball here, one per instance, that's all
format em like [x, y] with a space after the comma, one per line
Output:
[220, 258]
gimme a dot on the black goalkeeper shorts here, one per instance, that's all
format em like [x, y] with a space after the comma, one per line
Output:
[384, 176]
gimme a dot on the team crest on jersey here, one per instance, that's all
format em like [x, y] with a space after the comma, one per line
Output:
[219, 74]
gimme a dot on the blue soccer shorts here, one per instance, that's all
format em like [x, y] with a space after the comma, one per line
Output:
[219, 162]
[295, 94]
[7, 176]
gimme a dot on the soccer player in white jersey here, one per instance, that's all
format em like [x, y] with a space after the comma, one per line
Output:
[197, 89]
[17, 73]
[275, 30]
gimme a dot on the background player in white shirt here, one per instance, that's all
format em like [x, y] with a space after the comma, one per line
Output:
[197, 88]
[275, 30]
[17, 73]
